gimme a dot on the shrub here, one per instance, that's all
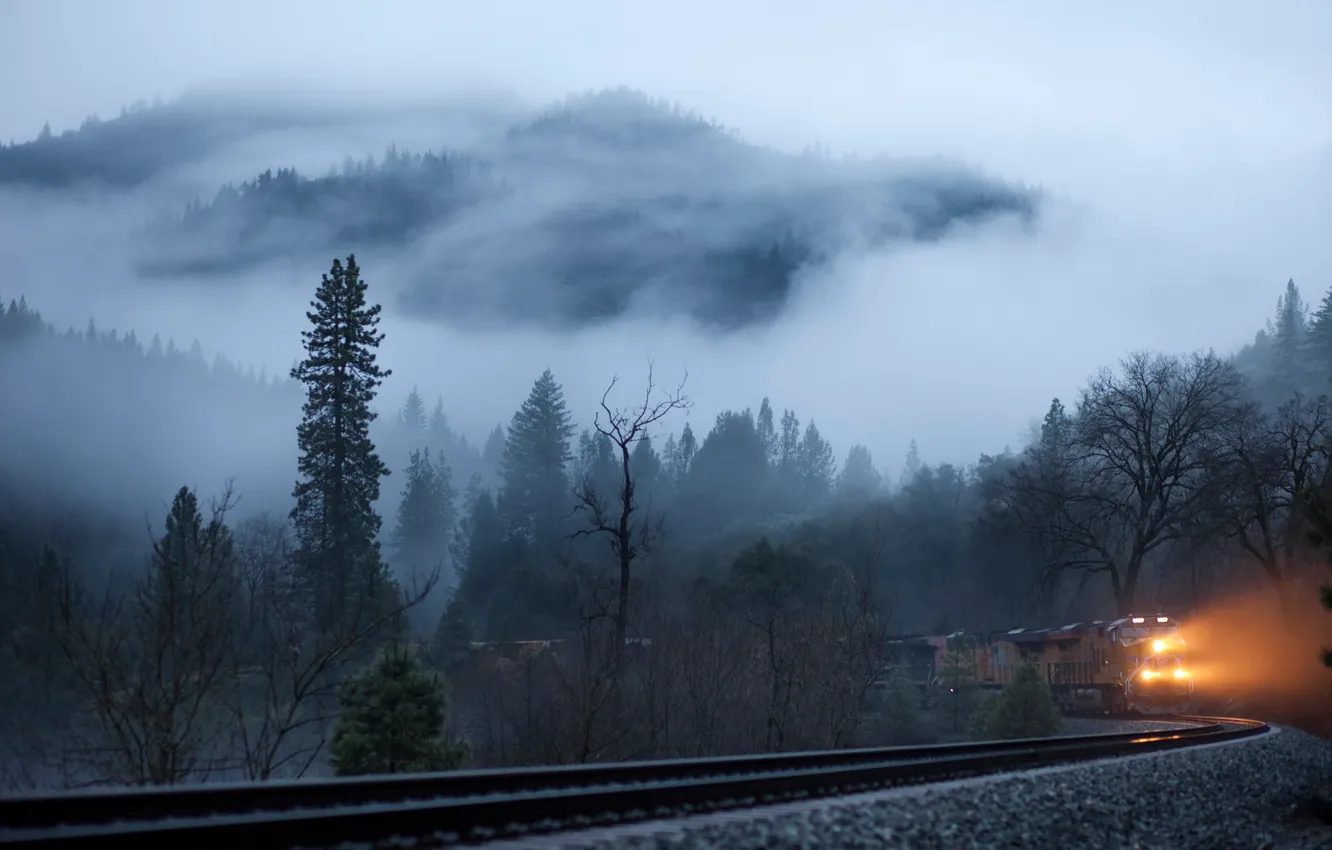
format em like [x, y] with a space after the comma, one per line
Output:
[392, 721]
[1024, 708]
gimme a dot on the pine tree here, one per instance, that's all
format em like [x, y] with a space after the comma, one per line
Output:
[412, 417]
[686, 449]
[646, 466]
[1288, 342]
[533, 468]
[492, 456]
[788, 445]
[392, 721]
[453, 636]
[487, 565]
[1024, 708]
[1319, 341]
[460, 546]
[334, 518]
[670, 464]
[426, 513]
[858, 477]
[767, 431]
[816, 464]
[912, 465]
[957, 682]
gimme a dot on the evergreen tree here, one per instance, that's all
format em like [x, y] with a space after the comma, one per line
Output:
[492, 455]
[686, 449]
[533, 468]
[858, 477]
[412, 417]
[788, 445]
[453, 636]
[426, 513]
[767, 430]
[460, 546]
[670, 464]
[1024, 708]
[1288, 343]
[492, 581]
[1319, 341]
[392, 721]
[334, 518]
[646, 466]
[816, 464]
[957, 682]
[597, 463]
[912, 465]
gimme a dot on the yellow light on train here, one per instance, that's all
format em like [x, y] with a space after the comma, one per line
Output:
[1181, 674]
[1148, 674]
[1158, 646]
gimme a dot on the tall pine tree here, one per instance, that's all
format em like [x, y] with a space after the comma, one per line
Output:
[334, 518]
[426, 514]
[1289, 344]
[533, 468]
[1320, 343]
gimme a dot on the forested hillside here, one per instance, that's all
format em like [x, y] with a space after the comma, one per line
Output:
[577, 214]
[1171, 481]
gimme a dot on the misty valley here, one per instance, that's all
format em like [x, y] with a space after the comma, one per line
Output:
[213, 571]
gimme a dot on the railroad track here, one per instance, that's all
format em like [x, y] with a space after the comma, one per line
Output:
[473, 806]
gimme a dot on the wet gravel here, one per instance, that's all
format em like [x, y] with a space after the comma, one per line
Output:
[1259, 793]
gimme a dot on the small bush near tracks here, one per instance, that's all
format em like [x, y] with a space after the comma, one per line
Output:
[1023, 709]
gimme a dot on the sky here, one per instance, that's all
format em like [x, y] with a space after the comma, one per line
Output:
[1186, 149]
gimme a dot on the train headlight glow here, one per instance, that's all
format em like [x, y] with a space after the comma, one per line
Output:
[1181, 674]
[1148, 674]
[1158, 646]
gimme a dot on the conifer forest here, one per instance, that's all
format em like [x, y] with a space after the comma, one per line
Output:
[219, 567]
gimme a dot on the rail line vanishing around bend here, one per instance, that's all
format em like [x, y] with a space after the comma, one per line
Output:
[477, 805]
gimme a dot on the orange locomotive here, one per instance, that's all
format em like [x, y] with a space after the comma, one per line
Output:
[1133, 664]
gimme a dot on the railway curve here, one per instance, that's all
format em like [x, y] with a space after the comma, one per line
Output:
[478, 805]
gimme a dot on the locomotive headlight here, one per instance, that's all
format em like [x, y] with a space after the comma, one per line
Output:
[1158, 646]
[1148, 674]
[1181, 674]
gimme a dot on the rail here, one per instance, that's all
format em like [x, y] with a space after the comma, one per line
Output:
[474, 805]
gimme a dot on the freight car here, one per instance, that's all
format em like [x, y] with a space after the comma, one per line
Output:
[1133, 664]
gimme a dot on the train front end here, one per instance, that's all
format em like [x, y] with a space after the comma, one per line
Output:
[1160, 681]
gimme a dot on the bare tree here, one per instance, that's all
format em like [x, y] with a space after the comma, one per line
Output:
[288, 672]
[1131, 471]
[1270, 463]
[152, 661]
[628, 539]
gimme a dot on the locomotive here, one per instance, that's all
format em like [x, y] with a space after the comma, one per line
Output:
[1135, 664]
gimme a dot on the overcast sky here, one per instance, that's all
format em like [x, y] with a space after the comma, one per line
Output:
[1188, 145]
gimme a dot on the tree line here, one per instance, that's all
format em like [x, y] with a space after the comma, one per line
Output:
[611, 592]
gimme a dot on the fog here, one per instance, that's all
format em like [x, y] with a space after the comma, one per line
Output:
[1183, 155]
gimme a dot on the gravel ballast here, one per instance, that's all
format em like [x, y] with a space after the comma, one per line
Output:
[1246, 794]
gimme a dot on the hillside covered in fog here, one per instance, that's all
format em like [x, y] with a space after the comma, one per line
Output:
[603, 205]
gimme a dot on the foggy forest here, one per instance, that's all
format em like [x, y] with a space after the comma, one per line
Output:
[457, 405]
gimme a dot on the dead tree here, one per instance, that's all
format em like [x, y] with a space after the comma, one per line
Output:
[287, 672]
[615, 519]
[1131, 471]
[152, 662]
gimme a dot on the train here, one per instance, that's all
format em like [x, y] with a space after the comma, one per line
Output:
[1132, 665]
